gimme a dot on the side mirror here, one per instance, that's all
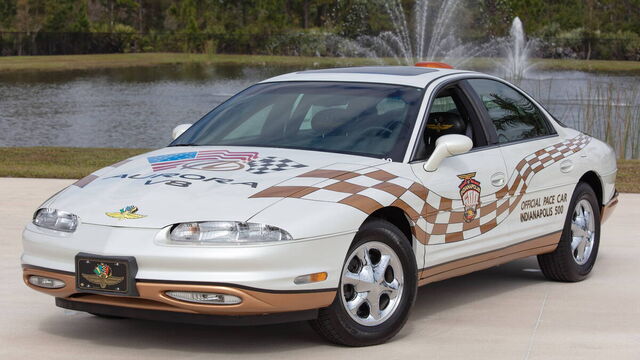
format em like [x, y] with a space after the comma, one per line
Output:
[178, 130]
[447, 145]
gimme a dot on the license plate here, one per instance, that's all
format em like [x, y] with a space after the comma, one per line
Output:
[106, 274]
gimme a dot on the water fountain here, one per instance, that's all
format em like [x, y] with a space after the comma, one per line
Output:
[432, 35]
[517, 51]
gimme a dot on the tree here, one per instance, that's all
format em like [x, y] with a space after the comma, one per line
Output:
[66, 16]
[7, 14]
[30, 15]
[118, 11]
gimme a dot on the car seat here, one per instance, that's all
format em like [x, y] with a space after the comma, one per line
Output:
[442, 123]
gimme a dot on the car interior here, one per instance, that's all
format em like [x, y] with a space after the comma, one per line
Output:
[371, 122]
[448, 115]
[356, 126]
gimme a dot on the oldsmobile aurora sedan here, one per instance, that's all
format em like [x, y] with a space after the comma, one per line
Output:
[328, 196]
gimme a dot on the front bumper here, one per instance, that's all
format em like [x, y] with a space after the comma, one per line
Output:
[272, 267]
[152, 297]
[262, 275]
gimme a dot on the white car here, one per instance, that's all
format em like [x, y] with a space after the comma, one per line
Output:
[330, 196]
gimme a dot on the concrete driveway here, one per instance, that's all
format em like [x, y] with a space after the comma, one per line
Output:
[507, 312]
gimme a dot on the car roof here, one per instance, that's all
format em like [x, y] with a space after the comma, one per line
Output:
[400, 75]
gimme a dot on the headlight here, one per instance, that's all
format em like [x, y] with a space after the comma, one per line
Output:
[227, 232]
[55, 220]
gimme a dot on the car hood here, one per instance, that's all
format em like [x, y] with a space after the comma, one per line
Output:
[183, 184]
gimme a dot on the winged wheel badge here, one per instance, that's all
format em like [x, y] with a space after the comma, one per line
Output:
[103, 276]
[439, 127]
[129, 212]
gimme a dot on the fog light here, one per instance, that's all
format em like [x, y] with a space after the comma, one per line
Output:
[310, 278]
[45, 282]
[204, 297]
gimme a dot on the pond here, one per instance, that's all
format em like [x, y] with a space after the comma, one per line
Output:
[138, 107]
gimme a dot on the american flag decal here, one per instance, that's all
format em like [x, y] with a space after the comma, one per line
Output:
[172, 161]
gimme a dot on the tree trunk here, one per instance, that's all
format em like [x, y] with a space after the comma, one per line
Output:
[140, 19]
[305, 12]
[111, 6]
[320, 14]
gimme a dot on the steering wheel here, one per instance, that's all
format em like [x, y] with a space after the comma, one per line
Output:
[378, 128]
[363, 136]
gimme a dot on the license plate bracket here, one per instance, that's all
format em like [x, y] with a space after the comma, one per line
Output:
[106, 275]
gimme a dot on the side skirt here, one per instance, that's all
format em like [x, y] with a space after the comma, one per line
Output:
[540, 245]
[607, 210]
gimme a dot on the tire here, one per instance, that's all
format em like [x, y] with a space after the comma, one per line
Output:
[377, 241]
[565, 263]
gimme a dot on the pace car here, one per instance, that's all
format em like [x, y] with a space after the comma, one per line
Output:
[329, 196]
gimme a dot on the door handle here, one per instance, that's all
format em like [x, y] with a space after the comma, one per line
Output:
[566, 166]
[498, 179]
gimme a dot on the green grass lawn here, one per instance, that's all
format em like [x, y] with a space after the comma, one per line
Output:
[58, 162]
[103, 61]
[75, 163]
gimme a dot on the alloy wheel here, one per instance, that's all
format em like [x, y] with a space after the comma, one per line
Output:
[582, 232]
[372, 283]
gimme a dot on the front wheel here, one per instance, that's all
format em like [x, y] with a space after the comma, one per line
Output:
[377, 288]
[577, 250]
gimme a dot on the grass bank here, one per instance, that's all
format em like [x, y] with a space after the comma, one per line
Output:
[105, 61]
[58, 162]
[75, 163]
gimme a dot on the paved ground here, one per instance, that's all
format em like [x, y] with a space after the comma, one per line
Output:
[508, 312]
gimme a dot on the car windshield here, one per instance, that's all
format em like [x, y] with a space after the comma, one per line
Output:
[373, 120]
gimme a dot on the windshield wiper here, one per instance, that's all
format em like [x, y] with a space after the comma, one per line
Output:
[190, 144]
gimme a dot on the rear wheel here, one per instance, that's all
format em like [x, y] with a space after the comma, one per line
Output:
[577, 250]
[377, 288]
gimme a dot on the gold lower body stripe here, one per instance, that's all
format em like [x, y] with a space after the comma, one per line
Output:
[540, 245]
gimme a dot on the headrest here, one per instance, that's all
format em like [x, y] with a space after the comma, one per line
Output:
[328, 120]
[394, 115]
[444, 123]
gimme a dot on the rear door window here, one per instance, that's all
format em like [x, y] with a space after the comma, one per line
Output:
[514, 117]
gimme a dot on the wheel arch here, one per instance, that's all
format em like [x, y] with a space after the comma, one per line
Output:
[592, 179]
[395, 216]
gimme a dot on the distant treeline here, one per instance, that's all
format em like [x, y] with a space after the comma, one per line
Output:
[606, 29]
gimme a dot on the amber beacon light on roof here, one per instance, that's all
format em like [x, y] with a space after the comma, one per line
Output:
[435, 65]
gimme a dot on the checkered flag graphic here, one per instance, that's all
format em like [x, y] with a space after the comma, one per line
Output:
[272, 164]
[434, 219]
